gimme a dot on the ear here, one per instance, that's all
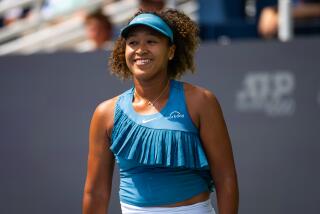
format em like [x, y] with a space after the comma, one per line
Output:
[172, 50]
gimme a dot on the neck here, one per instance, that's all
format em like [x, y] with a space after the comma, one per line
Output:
[149, 90]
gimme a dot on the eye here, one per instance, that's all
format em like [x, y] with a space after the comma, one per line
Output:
[132, 42]
[152, 41]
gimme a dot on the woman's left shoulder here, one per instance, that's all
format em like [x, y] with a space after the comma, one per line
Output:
[202, 103]
[199, 95]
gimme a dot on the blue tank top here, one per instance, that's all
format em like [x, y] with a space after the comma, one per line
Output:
[160, 156]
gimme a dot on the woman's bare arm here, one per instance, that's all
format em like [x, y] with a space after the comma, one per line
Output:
[216, 142]
[98, 183]
[207, 114]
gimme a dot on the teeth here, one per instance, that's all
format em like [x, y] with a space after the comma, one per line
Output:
[142, 61]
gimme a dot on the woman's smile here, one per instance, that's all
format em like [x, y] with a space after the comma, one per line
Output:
[142, 61]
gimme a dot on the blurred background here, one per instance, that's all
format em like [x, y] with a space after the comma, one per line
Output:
[32, 26]
[260, 58]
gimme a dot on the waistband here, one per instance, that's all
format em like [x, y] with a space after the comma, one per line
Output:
[204, 207]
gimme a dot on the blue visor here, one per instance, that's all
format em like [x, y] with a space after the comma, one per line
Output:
[152, 21]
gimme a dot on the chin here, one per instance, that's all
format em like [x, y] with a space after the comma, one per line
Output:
[141, 72]
[143, 75]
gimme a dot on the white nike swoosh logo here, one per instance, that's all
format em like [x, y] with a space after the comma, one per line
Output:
[149, 120]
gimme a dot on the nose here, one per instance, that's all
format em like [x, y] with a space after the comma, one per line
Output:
[142, 49]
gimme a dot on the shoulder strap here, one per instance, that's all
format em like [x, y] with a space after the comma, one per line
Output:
[124, 99]
[179, 105]
[122, 104]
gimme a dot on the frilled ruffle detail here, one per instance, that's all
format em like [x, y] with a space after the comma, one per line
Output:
[144, 145]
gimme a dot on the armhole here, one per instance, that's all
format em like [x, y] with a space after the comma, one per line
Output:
[185, 106]
[116, 109]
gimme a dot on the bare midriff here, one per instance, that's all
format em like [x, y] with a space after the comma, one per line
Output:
[195, 199]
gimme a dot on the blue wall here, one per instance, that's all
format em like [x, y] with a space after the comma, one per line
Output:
[269, 92]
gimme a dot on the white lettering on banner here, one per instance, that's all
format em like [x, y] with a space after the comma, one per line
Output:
[269, 92]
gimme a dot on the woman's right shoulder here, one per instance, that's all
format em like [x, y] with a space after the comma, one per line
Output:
[106, 108]
[103, 115]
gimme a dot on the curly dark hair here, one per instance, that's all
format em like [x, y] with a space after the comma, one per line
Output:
[186, 39]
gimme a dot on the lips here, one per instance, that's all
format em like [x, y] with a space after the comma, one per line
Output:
[142, 61]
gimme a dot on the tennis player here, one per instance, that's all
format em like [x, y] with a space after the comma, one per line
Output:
[168, 137]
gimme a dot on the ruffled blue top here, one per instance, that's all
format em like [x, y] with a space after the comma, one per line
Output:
[160, 156]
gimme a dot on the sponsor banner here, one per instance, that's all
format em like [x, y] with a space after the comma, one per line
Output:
[268, 92]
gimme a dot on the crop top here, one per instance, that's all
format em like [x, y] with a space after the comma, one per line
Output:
[160, 156]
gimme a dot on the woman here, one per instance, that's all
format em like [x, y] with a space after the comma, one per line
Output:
[168, 137]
